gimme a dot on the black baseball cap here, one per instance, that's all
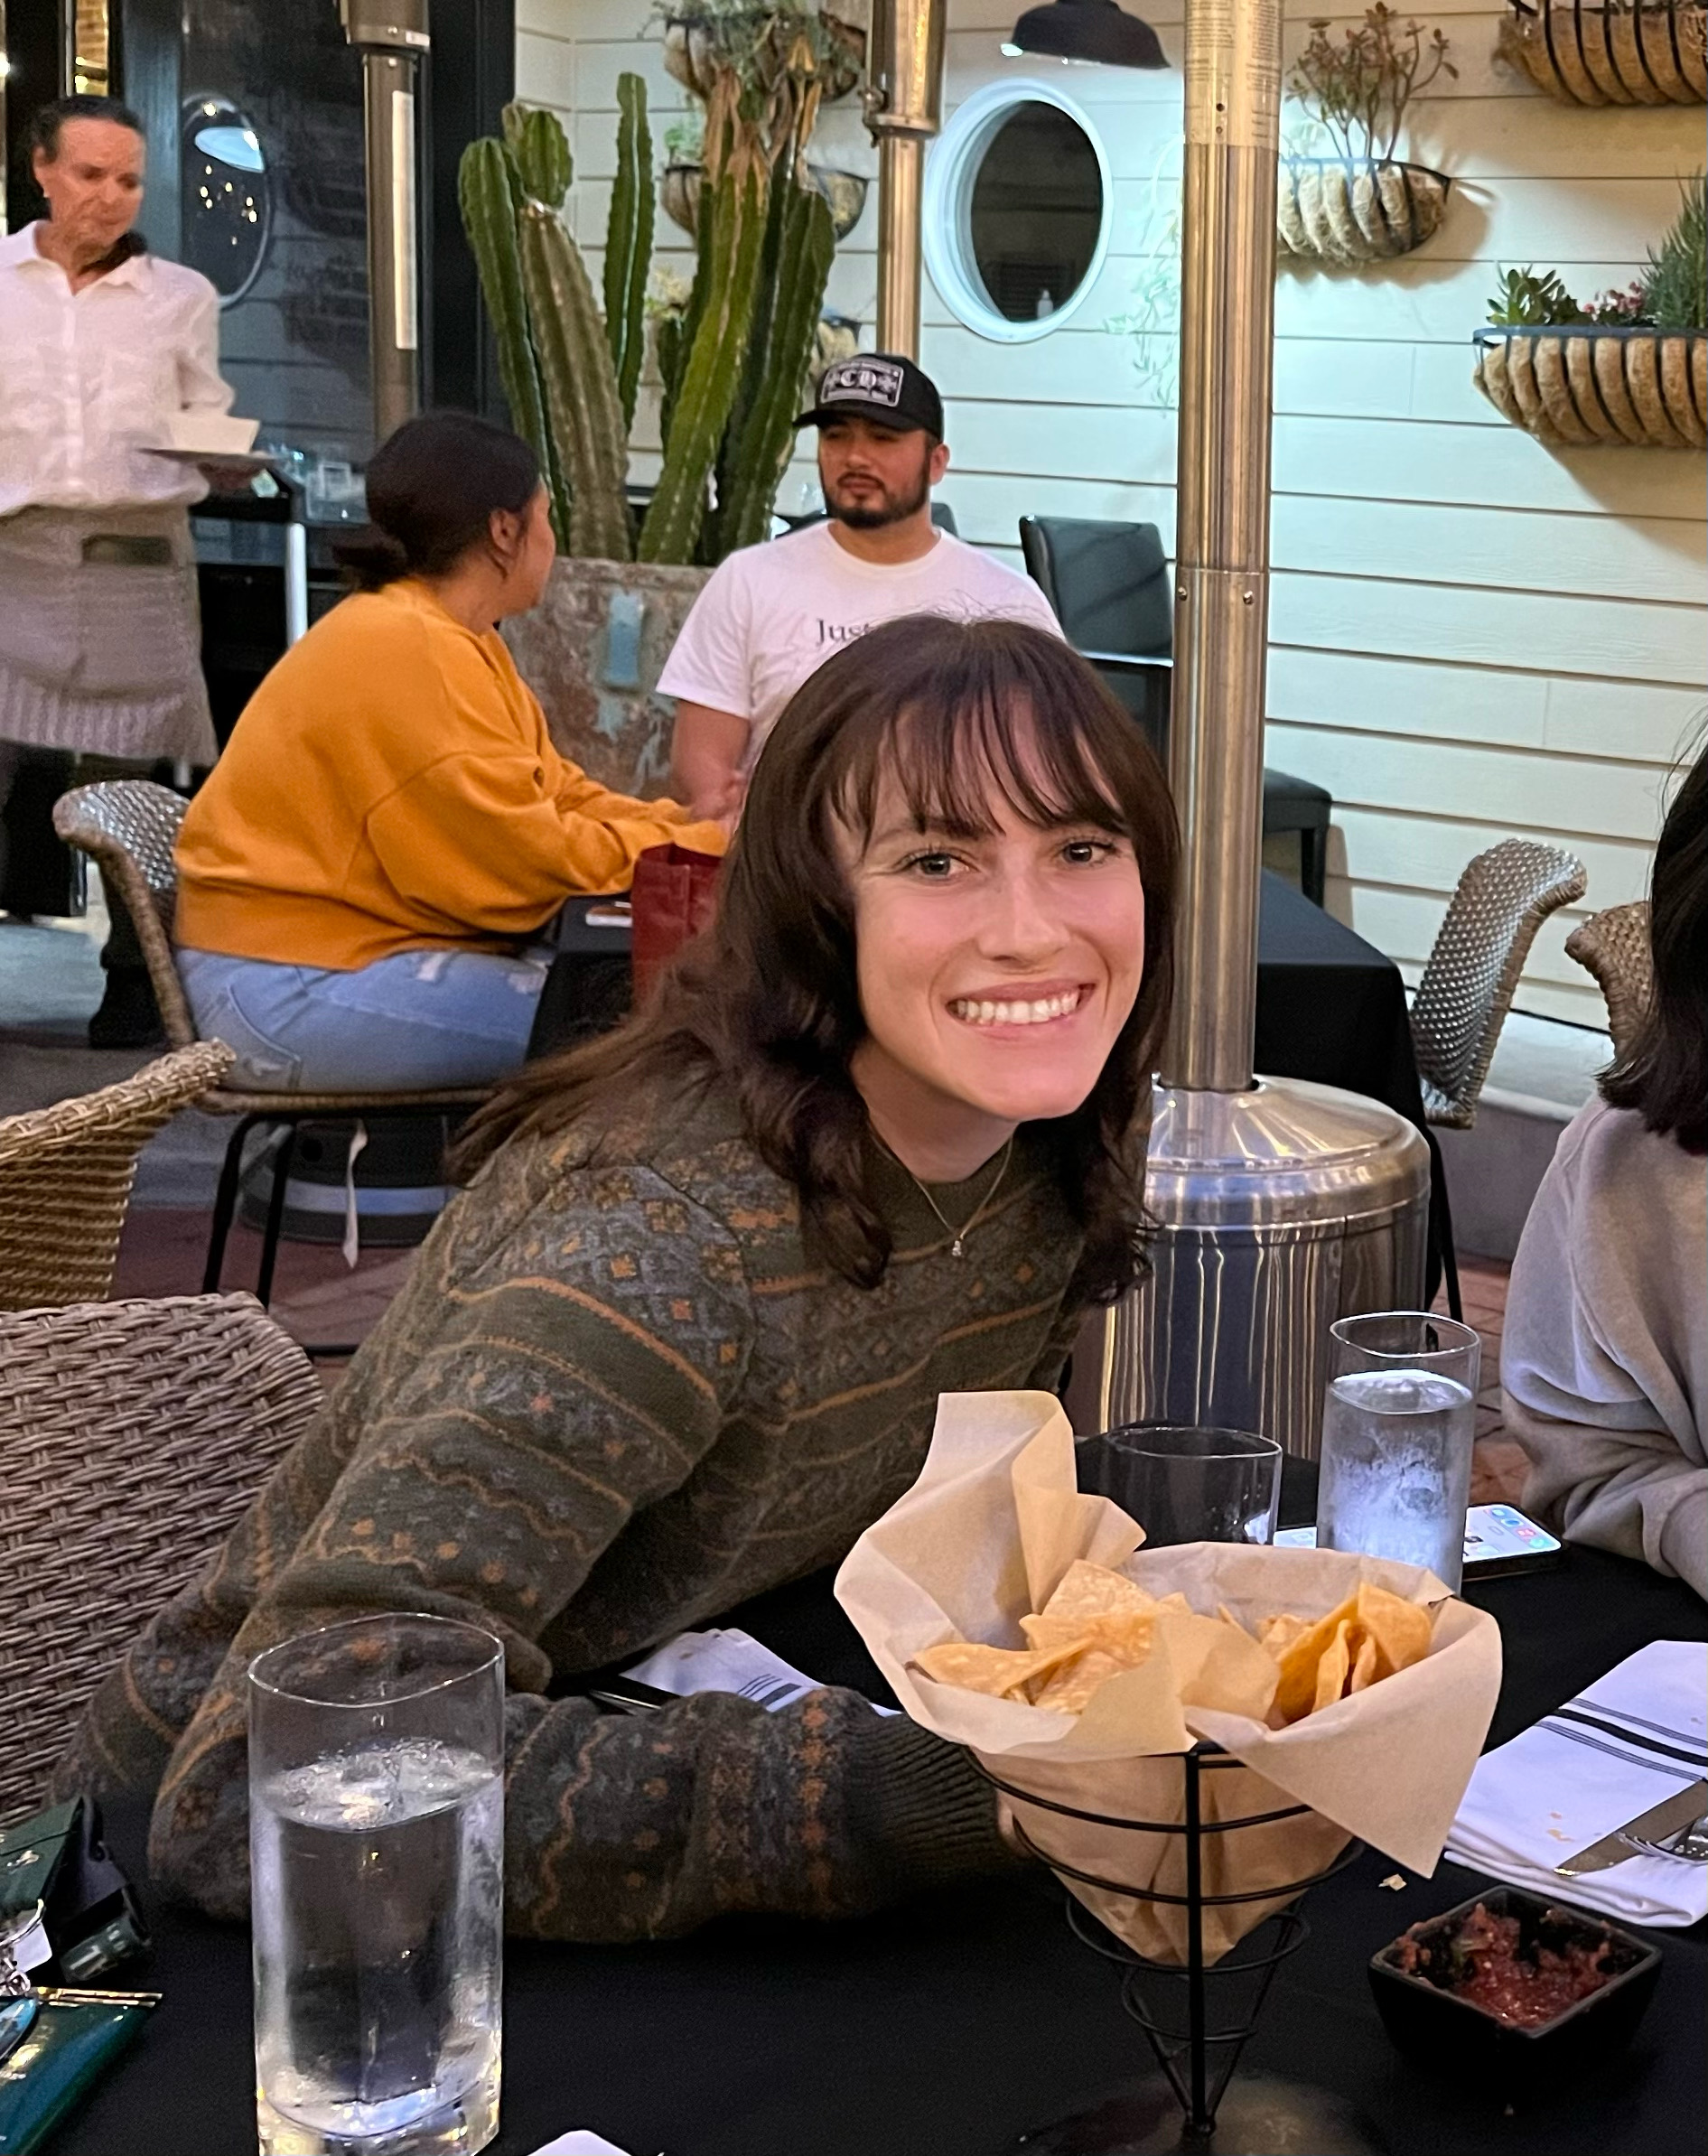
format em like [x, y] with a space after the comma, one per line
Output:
[881, 387]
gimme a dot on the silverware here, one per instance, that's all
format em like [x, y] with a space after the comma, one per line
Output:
[1679, 1815]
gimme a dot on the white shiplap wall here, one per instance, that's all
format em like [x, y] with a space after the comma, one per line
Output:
[1472, 634]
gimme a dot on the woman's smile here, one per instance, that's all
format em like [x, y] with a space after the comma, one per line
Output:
[1022, 1005]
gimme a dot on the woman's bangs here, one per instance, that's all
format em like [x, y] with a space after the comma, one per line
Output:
[957, 747]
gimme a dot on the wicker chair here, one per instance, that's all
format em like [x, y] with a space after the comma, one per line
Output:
[1502, 899]
[66, 1174]
[1613, 946]
[133, 1435]
[130, 828]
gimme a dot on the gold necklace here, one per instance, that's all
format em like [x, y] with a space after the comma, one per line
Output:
[957, 1235]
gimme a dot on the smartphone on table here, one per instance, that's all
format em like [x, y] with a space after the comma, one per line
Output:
[1498, 1538]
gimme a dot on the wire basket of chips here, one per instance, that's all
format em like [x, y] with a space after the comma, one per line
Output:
[1018, 1617]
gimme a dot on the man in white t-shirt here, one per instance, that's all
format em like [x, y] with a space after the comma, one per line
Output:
[770, 615]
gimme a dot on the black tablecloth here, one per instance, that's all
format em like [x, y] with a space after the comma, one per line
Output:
[950, 2025]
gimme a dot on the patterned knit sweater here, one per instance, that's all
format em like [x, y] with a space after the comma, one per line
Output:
[616, 1397]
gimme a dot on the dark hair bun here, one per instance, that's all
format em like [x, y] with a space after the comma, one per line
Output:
[432, 488]
[372, 557]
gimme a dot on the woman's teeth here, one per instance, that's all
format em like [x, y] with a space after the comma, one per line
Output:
[1039, 1012]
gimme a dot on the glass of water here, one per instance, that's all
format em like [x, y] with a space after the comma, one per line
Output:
[1185, 1484]
[377, 1860]
[1398, 1425]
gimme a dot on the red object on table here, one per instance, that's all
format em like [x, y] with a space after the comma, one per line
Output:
[674, 896]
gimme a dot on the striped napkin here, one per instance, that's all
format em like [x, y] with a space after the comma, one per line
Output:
[1635, 1738]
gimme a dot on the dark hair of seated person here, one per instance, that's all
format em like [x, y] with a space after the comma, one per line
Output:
[433, 487]
[1664, 1075]
[767, 1000]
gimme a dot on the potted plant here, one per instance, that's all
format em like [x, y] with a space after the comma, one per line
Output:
[705, 39]
[1610, 51]
[1631, 365]
[1362, 204]
[679, 186]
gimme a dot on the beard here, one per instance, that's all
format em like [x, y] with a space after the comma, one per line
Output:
[891, 507]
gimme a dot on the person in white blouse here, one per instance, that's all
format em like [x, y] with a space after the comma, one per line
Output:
[100, 344]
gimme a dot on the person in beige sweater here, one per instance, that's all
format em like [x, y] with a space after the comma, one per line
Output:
[1604, 1360]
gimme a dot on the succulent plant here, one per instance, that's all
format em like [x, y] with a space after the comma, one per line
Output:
[1526, 300]
[1675, 286]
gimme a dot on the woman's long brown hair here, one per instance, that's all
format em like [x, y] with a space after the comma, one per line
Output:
[765, 1001]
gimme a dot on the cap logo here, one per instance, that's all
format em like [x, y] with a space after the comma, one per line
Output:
[873, 381]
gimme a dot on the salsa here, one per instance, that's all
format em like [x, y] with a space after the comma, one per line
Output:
[1488, 1970]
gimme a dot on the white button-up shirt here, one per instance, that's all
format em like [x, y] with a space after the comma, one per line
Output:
[89, 377]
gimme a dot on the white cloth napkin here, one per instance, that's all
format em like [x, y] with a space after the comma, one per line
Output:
[1637, 1736]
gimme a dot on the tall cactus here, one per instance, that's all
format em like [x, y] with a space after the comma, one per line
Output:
[629, 243]
[538, 143]
[712, 372]
[580, 384]
[756, 449]
[485, 182]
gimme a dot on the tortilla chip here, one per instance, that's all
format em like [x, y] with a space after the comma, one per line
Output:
[1296, 1695]
[1069, 1691]
[1276, 1634]
[1088, 1590]
[1003, 1672]
[1400, 1630]
[1332, 1666]
[1126, 1631]
[1364, 1670]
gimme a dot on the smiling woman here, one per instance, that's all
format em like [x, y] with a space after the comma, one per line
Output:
[879, 1137]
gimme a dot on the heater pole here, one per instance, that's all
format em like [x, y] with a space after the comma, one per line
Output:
[1228, 287]
[904, 109]
[392, 38]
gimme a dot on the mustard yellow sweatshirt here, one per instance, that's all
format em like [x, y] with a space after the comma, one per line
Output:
[391, 785]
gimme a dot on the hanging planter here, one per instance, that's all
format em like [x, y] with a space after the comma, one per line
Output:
[1646, 386]
[844, 191]
[679, 195]
[1348, 210]
[1643, 52]
[762, 45]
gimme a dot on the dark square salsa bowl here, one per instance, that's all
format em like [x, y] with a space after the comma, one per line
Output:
[1438, 2028]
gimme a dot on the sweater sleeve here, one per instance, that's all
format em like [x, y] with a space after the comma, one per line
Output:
[514, 1414]
[1604, 1315]
[487, 841]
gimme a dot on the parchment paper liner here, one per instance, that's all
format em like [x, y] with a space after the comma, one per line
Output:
[982, 1538]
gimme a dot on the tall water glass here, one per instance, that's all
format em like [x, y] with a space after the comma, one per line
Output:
[377, 1857]
[1185, 1484]
[1398, 1425]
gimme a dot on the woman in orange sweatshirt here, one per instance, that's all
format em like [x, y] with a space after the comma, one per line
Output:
[359, 877]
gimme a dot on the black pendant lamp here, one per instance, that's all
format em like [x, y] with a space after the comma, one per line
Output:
[1087, 30]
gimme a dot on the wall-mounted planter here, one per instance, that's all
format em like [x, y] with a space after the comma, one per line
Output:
[1638, 52]
[1648, 387]
[1330, 211]
[679, 195]
[694, 53]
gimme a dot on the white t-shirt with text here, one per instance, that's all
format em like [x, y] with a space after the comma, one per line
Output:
[771, 615]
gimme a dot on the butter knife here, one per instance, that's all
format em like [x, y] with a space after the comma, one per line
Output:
[1652, 1825]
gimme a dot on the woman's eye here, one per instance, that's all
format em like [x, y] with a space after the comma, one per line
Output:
[936, 867]
[1080, 853]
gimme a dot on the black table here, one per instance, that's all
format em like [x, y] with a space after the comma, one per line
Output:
[960, 2019]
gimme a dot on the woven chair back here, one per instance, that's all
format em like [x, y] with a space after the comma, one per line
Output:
[1503, 898]
[133, 1436]
[66, 1174]
[130, 826]
[1613, 947]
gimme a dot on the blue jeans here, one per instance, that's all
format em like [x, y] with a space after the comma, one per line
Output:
[419, 1019]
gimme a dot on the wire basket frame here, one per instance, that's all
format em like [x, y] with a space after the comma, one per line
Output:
[1184, 2053]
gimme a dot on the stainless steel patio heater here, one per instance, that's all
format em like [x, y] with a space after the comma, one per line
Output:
[392, 38]
[903, 110]
[1283, 1206]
